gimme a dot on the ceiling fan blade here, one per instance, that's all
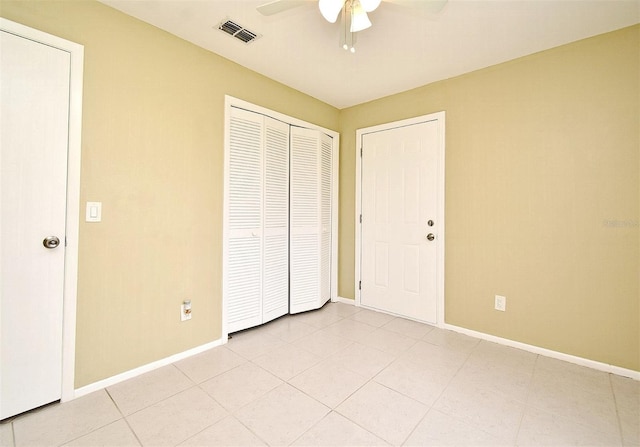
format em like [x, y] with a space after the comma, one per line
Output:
[430, 6]
[277, 6]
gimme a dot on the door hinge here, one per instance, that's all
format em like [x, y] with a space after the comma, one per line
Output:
[359, 285]
[360, 152]
[360, 218]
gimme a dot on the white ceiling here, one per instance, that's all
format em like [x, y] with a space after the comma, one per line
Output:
[403, 49]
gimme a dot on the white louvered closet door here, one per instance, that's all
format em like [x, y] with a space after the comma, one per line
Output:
[244, 244]
[276, 220]
[257, 242]
[310, 215]
[326, 180]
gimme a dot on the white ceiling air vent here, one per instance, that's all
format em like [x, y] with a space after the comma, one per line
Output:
[238, 31]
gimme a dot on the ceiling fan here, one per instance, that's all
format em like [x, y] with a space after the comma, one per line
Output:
[354, 12]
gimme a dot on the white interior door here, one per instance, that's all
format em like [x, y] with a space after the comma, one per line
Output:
[34, 111]
[399, 198]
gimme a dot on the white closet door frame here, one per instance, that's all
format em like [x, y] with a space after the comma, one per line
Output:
[439, 117]
[231, 101]
[70, 290]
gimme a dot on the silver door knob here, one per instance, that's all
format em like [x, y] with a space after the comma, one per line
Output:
[51, 242]
[430, 237]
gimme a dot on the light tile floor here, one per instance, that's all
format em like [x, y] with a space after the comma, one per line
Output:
[346, 376]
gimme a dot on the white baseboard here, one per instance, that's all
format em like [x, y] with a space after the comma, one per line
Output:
[345, 301]
[101, 384]
[548, 352]
[531, 348]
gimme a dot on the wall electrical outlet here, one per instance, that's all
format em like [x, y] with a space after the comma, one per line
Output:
[501, 303]
[185, 310]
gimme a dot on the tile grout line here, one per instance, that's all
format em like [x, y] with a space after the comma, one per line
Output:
[228, 413]
[288, 381]
[311, 428]
[577, 421]
[331, 410]
[358, 425]
[526, 400]
[126, 421]
[529, 401]
[615, 402]
[248, 428]
[431, 407]
[102, 426]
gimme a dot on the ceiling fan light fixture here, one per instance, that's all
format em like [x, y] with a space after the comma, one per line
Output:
[330, 9]
[347, 38]
[370, 5]
[359, 19]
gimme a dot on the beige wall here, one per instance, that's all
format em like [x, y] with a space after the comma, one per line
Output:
[152, 153]
[542, 195]
[541, 152]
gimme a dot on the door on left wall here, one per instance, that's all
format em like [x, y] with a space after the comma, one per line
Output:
[34, 101]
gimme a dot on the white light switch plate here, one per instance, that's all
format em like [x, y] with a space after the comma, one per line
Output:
[94, 212]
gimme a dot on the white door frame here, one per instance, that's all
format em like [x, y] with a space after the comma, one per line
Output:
[76, 52]
[440, 118]
[230, 101]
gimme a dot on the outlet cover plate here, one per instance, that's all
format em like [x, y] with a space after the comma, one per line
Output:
[183, 315]
[501, 303]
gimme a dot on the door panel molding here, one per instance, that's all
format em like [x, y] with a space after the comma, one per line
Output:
[76, 52]
[439, 118]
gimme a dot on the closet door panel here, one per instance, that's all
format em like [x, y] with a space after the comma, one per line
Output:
[305, 284]
[276, 220]
[305, 220]
[276, 277]
[244, 283]
[278, 204]
[325, 217]
[245, 177]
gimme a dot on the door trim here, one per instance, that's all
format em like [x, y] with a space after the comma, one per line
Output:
[440, 118]
[76, 52]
